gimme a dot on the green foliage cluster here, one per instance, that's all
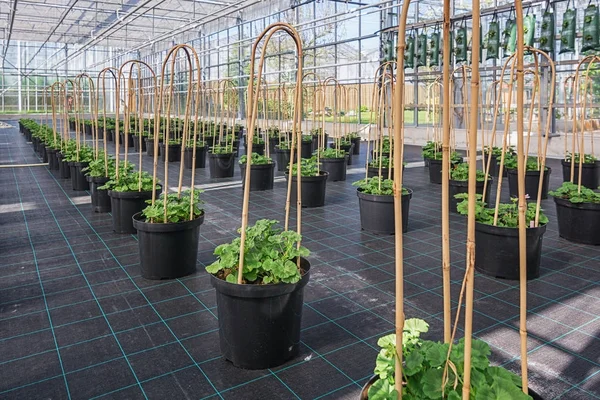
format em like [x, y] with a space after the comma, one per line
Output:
[178, 207]
[307, 138]
[308, 167]
[460, 172]
[511, 162]
[221, 150]
[570, 191]
[257, 159]
[423, 370]
[377, 186]
[385, 162]
[433, 151]
[508, 213]
[497, 151]
[330, 153]
[269, 256]
[96, 168]
[129, 182]
[587, 158]
[199, 143]
[86, 153]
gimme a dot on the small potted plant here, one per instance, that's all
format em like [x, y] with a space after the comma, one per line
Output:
[429, 150]
[333, 161]
[497, 239]
[150, 144]
[98, 173]
[168, 232]
[435, 164]
[376, 205]
[258, 144]
[495, 159]
[262, 171]
[424, 365]
[173, 149]
[354, 138]
[282, 152]
[345, 145]
[577, 213]
[307, 146]
[201, 151]
[313, 183]
[532, 177]
[78, 160]
[384, 163]
[274, 275]
[139, 141]
[221, 162]
[459, 183]
[590, 172]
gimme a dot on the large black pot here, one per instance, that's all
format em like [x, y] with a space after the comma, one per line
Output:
[174, 152]
[313, 190]
[110, 134]
[307, 149]
[124, 205]
[495, 167]
[72, 125]
[150, 147]
[497, 251]
[200, 157]
[316, 141]
[100, 198]
[63, 166]
[88, 130]
[457, 187]
[167, 251]
[283, 158]
[377, 212]
[258, 148]
[348, 148]
[532, 180]
[129, 140]
[43, 153]
[261, 176]
[579, 223]
[590, 174]
[336, 167]
[259, 325]
[136, 144]
[36, 144]
[78, 178]
[221, 165]
[273, 142]
[52, 159]
[374, 171]
[435, 171]
[356, 148]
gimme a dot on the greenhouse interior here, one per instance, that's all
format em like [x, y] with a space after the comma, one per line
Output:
[300, 199]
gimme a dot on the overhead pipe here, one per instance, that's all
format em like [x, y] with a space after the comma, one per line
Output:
[10, 28]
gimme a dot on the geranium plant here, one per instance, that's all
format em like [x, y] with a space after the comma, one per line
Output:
[178, 207]
[508, 213]
[570, 191]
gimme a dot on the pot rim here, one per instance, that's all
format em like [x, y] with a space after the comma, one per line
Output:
[140, 224]
[454, 182]
[323, 175]
[593, 165]
[513, 171]
[261, 291]
[506, 230]
[219, 155]
[580, 206]
[381, 197]
[258, 166]
[133, 194]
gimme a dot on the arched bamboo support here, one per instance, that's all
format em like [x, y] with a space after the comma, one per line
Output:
[102, 78]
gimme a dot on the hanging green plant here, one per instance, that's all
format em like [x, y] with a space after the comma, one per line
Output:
[492, 40]
[421, 49]
[460, 51]
[528, 30]
[547, 32]
[434, 49]
[590, 29]
[509, 37]
[388, 50]
[409, 52]
[567, 34]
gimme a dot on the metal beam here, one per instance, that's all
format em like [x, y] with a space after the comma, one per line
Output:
[10, 28]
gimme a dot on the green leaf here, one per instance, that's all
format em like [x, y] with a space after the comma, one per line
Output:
[436, 354]
[413, 362]
[432, 383]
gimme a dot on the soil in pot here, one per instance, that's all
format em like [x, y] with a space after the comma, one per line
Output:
[579, 223]
[200, 157]
[261, 176]
[259, 325]
[174, 152]
[532, 179]
[124, 205]
[78, 178]
[590, 174]
[457, 187]
[497, 251]
[435, 171]
[150, 147]
[336, 167]
[136, 144]
[100, 198]
[167, 251]
[377, 212]
[313, 190]
[63, 167]
[283, 158]
[221, 165]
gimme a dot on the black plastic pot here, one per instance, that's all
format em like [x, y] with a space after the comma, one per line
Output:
[274, 141]
[313, 190]
[307, 149]
[136, 144]
[110, 135]
[316, 141]
[374, 171]
[377, 212]
[261, 176]
[200, 157]
[283, 158]
[43, 153]
[257, 148]
[336, 167]
[221, 165]
[129, 140]
[100, 198]
[78, 178]
[497, 251]
[532, 180]
[124, 205]
[150, 147]
[590, 174]
[348, 148]
[72, 125]
[356, 148]
[259, 325]
[88, 130]
[435, 171]
[52, 160]
[457, 187]
[63, 166]
[426, 162]
[167, 251]
[35, 142]
[579, 223]
[495, 167]
[174, 152]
